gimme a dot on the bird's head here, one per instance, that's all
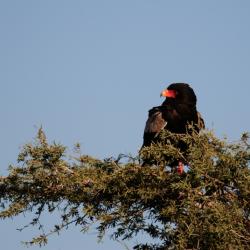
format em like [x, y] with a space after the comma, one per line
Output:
[181, 92]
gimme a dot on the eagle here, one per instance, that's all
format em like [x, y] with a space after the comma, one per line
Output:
[175, 114]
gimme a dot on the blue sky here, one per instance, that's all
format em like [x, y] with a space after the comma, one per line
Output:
[88, 71]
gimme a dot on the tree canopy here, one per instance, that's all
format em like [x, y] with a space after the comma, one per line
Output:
[207, 207]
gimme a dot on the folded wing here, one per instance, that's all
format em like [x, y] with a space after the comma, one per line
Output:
[154, 125]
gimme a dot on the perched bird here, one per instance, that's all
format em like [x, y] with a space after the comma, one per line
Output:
[176, 112]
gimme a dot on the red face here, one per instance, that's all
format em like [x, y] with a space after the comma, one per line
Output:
[169, 93]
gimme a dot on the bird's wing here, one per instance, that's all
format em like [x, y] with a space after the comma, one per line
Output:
[155, 122]
[154, 125]
[200, 122]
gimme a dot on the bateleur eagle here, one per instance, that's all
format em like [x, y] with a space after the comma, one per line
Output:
[176, 112]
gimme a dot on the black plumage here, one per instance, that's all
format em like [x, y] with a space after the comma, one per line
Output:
[175, 114]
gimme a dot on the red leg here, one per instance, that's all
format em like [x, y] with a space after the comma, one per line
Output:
[180, 168]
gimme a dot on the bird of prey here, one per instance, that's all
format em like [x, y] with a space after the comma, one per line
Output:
[175, 113]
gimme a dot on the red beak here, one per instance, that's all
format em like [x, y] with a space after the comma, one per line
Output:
[168, 93]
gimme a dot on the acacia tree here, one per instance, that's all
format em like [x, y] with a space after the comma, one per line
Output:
[207, 207]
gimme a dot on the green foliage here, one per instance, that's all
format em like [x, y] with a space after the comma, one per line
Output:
[207, 207]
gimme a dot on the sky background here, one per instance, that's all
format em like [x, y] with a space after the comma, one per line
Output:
[88, 71]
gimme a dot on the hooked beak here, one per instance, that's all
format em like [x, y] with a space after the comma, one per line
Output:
[168, 93]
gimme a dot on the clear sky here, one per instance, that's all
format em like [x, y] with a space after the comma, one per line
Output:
[88, 71]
